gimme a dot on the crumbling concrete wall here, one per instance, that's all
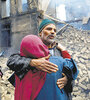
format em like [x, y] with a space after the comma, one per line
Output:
[21, 26]
[21, 23]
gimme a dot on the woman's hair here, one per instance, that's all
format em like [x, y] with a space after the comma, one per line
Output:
[32, 46]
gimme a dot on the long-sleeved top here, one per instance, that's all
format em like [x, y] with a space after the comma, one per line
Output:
[21, 65]
[50, 89]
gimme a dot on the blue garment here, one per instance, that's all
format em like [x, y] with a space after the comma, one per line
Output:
[50, 90]
[70, 63]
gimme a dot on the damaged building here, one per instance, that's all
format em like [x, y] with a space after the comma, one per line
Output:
[17, 19]
[21, 17]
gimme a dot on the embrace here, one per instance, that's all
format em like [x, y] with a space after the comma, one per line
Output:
[43, 69]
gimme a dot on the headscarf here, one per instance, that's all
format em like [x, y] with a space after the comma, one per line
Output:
[29, 87]
[32, 46]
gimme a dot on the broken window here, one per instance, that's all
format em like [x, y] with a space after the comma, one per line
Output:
[3, 0]
[5, 35]
[24, 5]
[61, 12]
[5, 12]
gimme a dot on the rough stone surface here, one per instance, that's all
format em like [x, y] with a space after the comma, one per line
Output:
[77, 42]
[6, 89]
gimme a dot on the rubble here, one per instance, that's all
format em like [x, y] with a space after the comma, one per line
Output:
[78, 45]
[6, 89]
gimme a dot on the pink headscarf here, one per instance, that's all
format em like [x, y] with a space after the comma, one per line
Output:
[29, 87]
[32, 46]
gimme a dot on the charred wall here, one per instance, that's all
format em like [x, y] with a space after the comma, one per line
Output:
[22, 25]
[15, 26]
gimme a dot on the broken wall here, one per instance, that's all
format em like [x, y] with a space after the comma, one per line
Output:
[21, 23]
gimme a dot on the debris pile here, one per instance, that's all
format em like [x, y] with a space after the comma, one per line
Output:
[6, 89]
[77, 42]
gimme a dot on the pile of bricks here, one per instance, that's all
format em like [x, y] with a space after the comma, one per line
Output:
[77, 43]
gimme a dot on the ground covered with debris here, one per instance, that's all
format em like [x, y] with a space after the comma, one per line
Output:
[77, 43]
[6, 89]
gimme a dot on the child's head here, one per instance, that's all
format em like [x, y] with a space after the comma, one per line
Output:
[32, 46]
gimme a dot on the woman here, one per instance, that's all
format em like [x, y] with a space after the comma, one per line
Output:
[38, 85]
